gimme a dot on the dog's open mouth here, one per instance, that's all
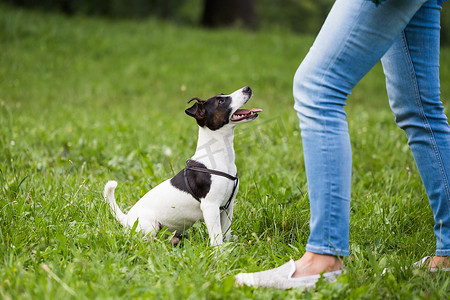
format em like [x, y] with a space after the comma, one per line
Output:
[245, 114]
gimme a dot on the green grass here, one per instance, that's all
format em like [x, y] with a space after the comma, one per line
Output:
[85, 100]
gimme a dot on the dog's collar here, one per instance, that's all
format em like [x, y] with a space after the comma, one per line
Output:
[213, 172]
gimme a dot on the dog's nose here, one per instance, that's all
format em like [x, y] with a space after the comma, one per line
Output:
[247, 90]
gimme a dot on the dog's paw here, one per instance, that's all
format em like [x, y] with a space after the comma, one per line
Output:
[174, 241]
[231, 238]
[223, 250]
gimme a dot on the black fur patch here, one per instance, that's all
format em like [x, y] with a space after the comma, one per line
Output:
[213, 113]
[218, 111]
[199, 182]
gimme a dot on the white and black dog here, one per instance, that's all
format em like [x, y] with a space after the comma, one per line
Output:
[205, 189]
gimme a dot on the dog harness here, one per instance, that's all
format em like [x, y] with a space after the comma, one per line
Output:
[213, 172]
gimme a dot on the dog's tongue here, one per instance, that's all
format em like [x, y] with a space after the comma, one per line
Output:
[247, 111]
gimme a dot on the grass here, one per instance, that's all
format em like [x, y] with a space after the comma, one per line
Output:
[86, 100]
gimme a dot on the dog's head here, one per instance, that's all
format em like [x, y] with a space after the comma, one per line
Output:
[222, 110]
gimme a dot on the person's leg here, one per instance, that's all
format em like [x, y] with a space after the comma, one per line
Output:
[354, 37]
[411, 66]
[352, 40]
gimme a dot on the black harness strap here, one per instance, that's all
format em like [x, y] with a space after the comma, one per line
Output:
[213, 172]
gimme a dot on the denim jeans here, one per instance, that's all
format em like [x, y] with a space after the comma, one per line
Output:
[354, 37]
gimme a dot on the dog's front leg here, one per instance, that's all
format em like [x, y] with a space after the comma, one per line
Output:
[211, 215]
[225, 220]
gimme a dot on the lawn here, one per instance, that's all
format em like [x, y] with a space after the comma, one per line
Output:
[86, 100]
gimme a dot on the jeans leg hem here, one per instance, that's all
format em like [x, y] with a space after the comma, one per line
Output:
[327, 250]
[441, 252]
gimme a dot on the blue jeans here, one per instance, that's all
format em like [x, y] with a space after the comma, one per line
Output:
[355, 36]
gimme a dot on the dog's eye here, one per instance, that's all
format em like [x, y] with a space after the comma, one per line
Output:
[221, 101]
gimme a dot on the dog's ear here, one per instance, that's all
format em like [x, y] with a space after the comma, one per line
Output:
[197, 111]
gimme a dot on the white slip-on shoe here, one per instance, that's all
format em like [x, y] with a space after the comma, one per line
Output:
[281, 278]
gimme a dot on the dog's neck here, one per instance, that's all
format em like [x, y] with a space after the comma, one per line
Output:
[215, 149]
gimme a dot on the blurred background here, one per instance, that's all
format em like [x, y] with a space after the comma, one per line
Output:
[301, 16]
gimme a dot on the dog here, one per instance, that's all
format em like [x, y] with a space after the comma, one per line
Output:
[205, 189]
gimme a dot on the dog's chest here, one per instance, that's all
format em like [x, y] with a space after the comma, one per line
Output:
[197, 180]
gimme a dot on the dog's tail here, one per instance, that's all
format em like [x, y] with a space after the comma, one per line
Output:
[109, 197]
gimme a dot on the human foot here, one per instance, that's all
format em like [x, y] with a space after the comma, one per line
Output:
[434, 263]
[440, 261]
[312, 264]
